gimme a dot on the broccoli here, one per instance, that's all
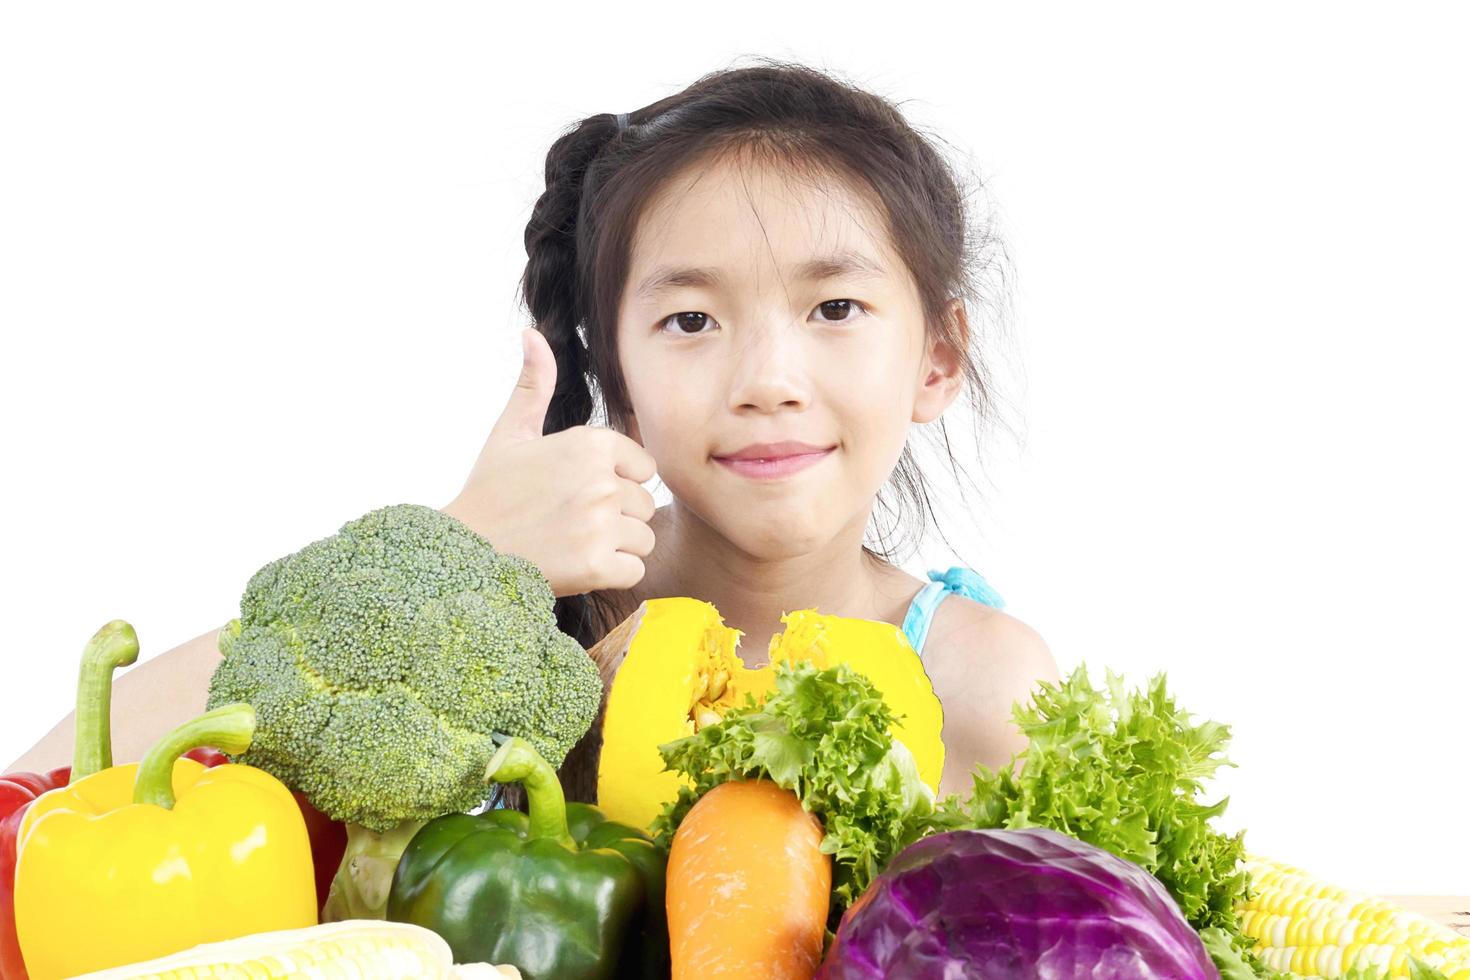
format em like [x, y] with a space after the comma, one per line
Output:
[383, 662]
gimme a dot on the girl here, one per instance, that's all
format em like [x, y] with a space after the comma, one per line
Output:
[759, 284]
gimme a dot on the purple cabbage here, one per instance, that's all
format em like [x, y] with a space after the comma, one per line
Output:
[983, 904]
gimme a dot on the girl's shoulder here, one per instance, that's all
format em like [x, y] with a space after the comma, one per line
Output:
[981, 661]
[960, 620]
[976, 633]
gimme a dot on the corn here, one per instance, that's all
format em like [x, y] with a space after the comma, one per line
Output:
[1310, 928]
[357, 949]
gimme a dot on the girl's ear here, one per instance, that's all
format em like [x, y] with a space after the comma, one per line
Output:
[941, 371]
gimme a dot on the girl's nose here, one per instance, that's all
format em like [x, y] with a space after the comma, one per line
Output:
[769, 371]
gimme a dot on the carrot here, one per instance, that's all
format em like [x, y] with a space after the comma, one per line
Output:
[748, 888]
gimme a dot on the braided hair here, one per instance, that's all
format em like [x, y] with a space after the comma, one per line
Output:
[553, 290]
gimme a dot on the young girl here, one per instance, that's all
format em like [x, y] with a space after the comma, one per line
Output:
[760, 285]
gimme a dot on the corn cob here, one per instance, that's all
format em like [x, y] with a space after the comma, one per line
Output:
[1309, 928]
[356, 949]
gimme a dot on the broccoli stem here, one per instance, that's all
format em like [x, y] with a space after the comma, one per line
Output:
[114, 645]
[360, 888]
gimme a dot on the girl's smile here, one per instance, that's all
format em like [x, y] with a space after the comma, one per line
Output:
[772, 461]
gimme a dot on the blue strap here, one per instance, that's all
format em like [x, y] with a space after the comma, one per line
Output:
[957, 579]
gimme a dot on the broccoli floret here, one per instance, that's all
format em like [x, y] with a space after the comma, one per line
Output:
[383, 661]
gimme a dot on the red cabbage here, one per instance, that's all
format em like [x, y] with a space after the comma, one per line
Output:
[982, 904]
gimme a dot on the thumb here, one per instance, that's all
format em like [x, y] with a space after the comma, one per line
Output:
[524, 415]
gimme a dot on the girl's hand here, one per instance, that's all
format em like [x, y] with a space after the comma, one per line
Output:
[571, 502]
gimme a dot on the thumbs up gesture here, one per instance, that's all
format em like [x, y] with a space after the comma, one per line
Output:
[571, 502]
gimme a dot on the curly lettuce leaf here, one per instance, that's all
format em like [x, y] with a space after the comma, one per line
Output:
[823, 734]
[1124, 770]
[1232, 962]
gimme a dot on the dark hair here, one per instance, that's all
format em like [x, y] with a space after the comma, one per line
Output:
[598, 178]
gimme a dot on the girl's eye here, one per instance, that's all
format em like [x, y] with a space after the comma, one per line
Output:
[687, 323]
[838, 309]
[691, 323]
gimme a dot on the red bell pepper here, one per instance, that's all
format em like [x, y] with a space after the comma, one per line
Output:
[328, 845]
[17, 790]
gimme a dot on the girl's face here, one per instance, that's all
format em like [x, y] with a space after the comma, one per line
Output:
[760, 309]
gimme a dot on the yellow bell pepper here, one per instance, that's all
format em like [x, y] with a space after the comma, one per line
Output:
[139, 861]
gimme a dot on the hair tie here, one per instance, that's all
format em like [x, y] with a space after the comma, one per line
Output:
[622, 122]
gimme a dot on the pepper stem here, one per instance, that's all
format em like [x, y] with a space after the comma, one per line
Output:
[228, 728]
[114, 645]
[517, 762]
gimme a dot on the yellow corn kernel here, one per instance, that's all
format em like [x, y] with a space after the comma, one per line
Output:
[1313, 929]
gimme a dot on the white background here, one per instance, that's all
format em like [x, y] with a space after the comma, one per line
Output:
[258, 269]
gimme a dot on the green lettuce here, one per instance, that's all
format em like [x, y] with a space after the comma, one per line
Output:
[1124, 770]
[824, 735]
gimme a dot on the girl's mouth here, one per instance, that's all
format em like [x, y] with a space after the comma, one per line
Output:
[773, 468]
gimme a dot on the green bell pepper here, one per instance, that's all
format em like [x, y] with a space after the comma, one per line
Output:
[561, 893]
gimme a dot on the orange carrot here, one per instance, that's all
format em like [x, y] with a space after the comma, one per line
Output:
[748, 889]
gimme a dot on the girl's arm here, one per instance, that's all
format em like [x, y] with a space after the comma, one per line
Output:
[148, 701]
